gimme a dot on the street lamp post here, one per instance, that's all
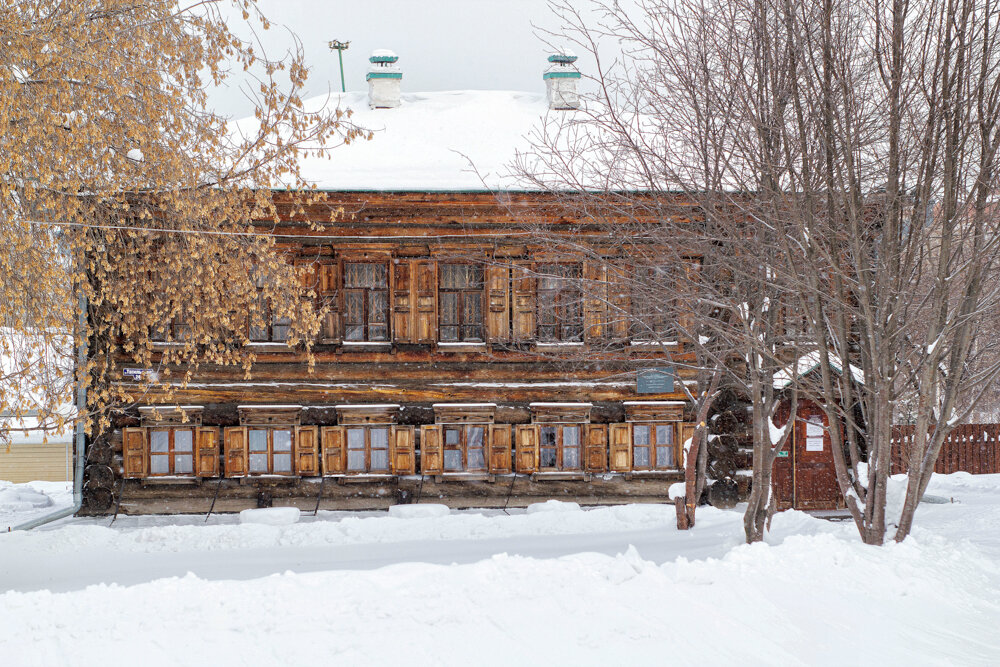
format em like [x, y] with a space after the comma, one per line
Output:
[340, 47]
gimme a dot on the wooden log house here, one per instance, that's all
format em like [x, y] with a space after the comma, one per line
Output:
[457, 363]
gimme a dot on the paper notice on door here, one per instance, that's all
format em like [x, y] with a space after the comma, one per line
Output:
[813, 430]
[814, 443]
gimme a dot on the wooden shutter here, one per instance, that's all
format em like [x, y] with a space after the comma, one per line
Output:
[431, 450]
[236, 452]
[329, 299]
[596, 446]
[206, 462]
[308, 274]
[524, 301]
[402, 302]
[402, 454]
[620, 436]
[595, 300]
[425, 297]
[334, 442]
[526, 448]
[307, 451]
[619, 301]
[499, 448]
[135, 452]
[687, 432]
[498, 303]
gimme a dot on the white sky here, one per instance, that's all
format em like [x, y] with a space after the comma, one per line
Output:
[441, 44]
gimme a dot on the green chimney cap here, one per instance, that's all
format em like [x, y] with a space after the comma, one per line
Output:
[565, 58]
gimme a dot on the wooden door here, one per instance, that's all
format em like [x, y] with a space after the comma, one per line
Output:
[806, 477]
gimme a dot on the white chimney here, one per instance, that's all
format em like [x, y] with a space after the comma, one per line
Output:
[383, 80]
[561, 78]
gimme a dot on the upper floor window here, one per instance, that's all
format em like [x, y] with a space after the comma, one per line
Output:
[653, 303]
[269, 328]
[461, 302]
[560, 304]
[366, 302]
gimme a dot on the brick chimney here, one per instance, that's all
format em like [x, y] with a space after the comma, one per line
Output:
[383, 80]
[561, 78]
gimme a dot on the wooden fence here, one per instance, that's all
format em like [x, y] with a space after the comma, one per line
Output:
[973, 448]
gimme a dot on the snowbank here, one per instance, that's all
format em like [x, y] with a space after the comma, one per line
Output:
[419, 511]
[20, 503]
[271, 516]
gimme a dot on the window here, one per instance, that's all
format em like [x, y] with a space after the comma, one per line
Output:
[368, 449]
[366, 302]
[177, 330]
[270, 450]
[654, 305]
[464, 447]
[171, 451]
[461, 302]
[560, 305]
[559, 447]
[652, 446]
[271, 329]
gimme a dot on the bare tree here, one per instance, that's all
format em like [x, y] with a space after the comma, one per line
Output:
[857, 145]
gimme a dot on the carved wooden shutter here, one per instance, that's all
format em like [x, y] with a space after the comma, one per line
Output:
[207, 453]
[620, 436]
[619, 300]
[526, 448]
[402, 301]
[307, 450]
[498, 303]
[595, 300]
[329, 299]
[402, 455]
[524, 301]
[135, 452]
[431, 451]
[236, 451]
[425, 296]
[499, 448]
[334, 449]
[596, 445]
[687, 432]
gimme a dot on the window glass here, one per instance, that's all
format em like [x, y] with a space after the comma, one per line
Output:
[476, 457]
[366, 302]
[460, 302]
[356, 449]
[183, 440]
[640, 435]
[452, 436]
[640, 457]
[453, 460]
[258, 440]
[664, 446]
[547, 450]
[159, 442]
[571, 447]
[159, 465]
[380, 449]
[282, 441]
[183, 464]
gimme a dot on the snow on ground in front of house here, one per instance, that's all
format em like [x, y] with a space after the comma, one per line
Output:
[23, 502]
[598, 586]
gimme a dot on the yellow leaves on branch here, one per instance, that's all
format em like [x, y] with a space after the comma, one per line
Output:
[118, 182]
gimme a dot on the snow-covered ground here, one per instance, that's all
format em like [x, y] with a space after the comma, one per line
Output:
[615, 585]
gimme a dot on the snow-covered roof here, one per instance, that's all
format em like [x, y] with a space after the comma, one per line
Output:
[438, 141]
[807, 363]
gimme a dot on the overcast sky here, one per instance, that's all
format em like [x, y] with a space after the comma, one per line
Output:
[441, 44]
